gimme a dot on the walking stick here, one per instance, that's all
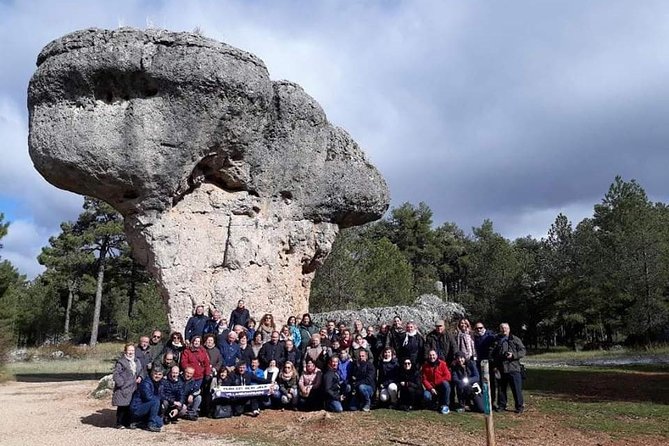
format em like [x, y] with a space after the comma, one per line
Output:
[487, 406]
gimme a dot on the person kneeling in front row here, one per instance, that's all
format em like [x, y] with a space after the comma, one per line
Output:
[436, 377]
[145, 405]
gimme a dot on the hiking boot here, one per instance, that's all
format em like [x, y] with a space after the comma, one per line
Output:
[520, 410]
[460, 409]
[444, 410]
[153, 428]
[366, 408]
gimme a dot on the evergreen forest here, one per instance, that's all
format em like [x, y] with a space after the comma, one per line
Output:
[601, 281]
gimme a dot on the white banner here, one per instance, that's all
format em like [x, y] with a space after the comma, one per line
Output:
[242, 391]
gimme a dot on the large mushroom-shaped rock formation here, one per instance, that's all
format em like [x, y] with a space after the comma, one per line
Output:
[232, 186]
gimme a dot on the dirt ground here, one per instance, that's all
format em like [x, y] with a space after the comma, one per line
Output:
[60, 414]
[56, 414]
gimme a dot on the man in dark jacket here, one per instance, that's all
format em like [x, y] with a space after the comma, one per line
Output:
[156, 346]
[145, 404]
[506, 352]
[272, 350]
[172, 396]
[396, 333]
[333, 387]
[240, 315]
[363, 381]
[440, 341]
[483, 341]
[195, 325]
[144, 355]
[192, 394]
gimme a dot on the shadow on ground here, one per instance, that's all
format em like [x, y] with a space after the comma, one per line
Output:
[56, 377]
[602, 385]
[101, 418]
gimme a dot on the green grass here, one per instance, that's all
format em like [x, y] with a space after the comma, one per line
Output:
[619, 419]
[563, 354]
[621, 402]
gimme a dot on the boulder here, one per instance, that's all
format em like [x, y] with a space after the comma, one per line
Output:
[104, 388]
[232, 186]
[426, 310]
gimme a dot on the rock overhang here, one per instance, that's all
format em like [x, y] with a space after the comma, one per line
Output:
[137, 118]
[200, 150]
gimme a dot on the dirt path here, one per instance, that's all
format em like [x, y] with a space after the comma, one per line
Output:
[61, 414]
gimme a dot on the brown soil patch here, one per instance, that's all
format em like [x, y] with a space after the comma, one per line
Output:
[386, 427]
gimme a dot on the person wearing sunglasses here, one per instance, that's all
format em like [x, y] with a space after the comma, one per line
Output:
[156, 345]
[483, 341]
[410, 386]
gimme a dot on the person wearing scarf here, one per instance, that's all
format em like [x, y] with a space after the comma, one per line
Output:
[287, 386]
[466, 339]
[388, 376]
[175, 346]
[127, 374]
[360, 344]
[411, 346]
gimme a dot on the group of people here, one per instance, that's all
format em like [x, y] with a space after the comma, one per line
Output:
[302, 366]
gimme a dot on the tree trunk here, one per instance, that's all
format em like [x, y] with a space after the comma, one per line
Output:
[70, 299]
[98, 296]
[132, 293]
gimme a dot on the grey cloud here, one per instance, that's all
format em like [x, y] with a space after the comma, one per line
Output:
[482, 110]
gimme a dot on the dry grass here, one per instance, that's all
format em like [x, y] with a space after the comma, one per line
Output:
[78, 359]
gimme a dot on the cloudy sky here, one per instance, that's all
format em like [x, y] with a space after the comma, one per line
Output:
[512, 111]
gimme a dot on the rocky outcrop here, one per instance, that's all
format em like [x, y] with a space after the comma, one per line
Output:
[232, 186]
[427, 309]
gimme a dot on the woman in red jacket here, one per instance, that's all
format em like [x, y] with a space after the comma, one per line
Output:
[196, 356]
[436, 377]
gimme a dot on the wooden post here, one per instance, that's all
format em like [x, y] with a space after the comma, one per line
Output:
[487, 405]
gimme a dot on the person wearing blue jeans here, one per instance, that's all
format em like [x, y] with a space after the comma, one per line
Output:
[363, 381]
[333, 386]
[145, 405]
[435, 377]
[442, 393]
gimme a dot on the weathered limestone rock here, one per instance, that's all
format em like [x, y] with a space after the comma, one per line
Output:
[232, 186]
[105, 387]
[427, 310]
